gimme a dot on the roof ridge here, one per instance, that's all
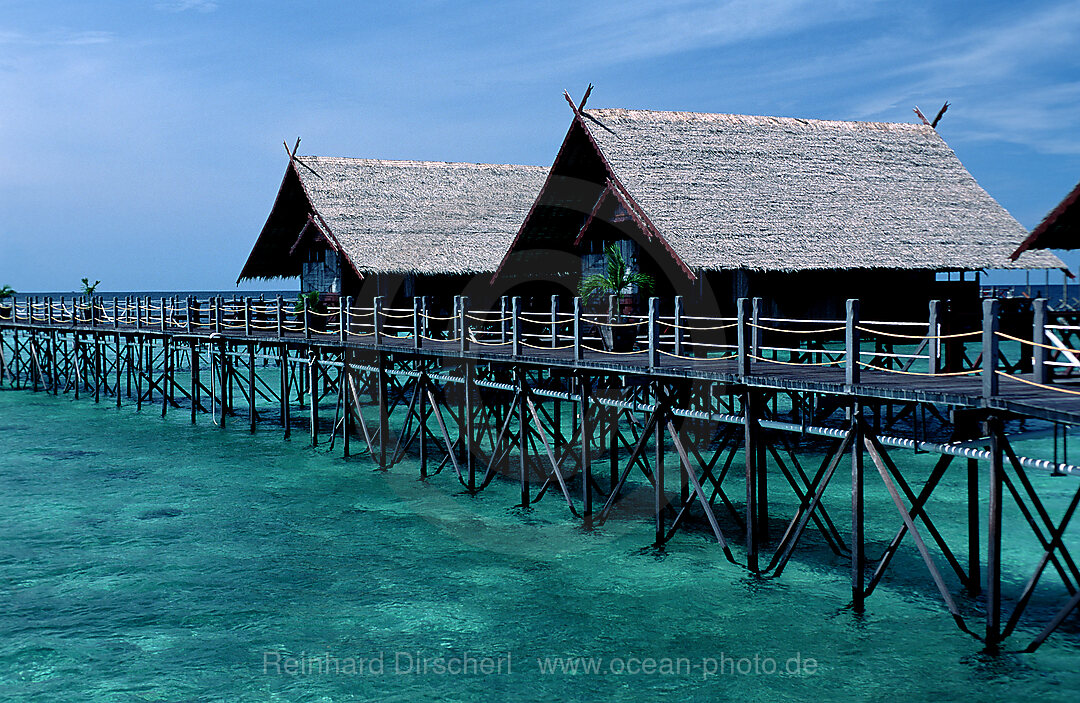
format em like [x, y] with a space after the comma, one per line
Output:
[418, 163]
[685, 115]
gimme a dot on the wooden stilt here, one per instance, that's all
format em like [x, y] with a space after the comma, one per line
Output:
[523, 440]
[313, 394]
[974, 560]
[751, 430]
[252, 416]
[584, 391]
[993, 538]
[858, 554]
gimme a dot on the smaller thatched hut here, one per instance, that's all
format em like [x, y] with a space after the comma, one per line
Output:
[365, 227]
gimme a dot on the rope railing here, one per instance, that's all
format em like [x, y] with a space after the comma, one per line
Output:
[1044, 386]
[1051, 347]
[673, 336]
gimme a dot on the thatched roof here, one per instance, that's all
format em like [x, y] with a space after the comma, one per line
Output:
[1060, 229]
[783, 194]
[397, 216]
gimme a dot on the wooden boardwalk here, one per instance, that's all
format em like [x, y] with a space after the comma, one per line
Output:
[477, 394]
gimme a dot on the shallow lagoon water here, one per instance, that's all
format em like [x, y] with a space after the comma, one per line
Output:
[144, 559]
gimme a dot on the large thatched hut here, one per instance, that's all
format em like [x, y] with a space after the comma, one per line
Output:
[365, 227]
[803, 213]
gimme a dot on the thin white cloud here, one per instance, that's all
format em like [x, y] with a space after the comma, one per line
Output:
[56, 37]
[1013, 79]
[613, 33]
[185, 5]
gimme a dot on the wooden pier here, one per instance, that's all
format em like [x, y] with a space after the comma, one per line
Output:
[714, 416]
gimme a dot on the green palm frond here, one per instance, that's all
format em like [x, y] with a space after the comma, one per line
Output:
[314, 302]
[6, 292]
[89, 288]
[617, 278]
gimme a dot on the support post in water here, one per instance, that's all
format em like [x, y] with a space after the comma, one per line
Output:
[313, 394]
[584, 390]
[995, 479]
[858, 551]
[751, 438]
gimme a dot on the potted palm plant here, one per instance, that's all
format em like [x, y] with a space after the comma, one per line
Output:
[314, 305]
[617, 280]
[88, 291]
[7, 297]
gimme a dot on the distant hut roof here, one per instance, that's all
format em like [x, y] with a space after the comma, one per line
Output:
[1060, 229]
[421, 217]
[783, 194]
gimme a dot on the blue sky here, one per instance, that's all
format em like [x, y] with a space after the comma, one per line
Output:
[142, 141]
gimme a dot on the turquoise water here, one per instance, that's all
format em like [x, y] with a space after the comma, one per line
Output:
[144, 559]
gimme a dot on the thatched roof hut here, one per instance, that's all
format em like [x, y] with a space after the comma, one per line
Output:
[737, 192]
[394, 217]
[1060, 229]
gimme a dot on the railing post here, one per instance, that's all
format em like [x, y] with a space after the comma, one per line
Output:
[190, 309]
[346, 317]
[163, 320]
[1038, 336]
[504, 326]
[425, 323]
[217, 314]
[116, 317]
[376, 317]
[743, 320]
[991, 307]
[280, 302]
[654, 332]
[578, 351]
[454, 314]
[247, 317]
[138, 313]
[853, 343]
[755, 331]
[93, 311]
[933, 339]
[418, 322]
[307, 318]
[678, 318]
[49, 303]
[463, 323]
[554, 321]
[515, 324]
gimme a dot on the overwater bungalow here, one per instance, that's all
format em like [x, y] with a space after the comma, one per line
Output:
[365, 227]
[803, 213]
